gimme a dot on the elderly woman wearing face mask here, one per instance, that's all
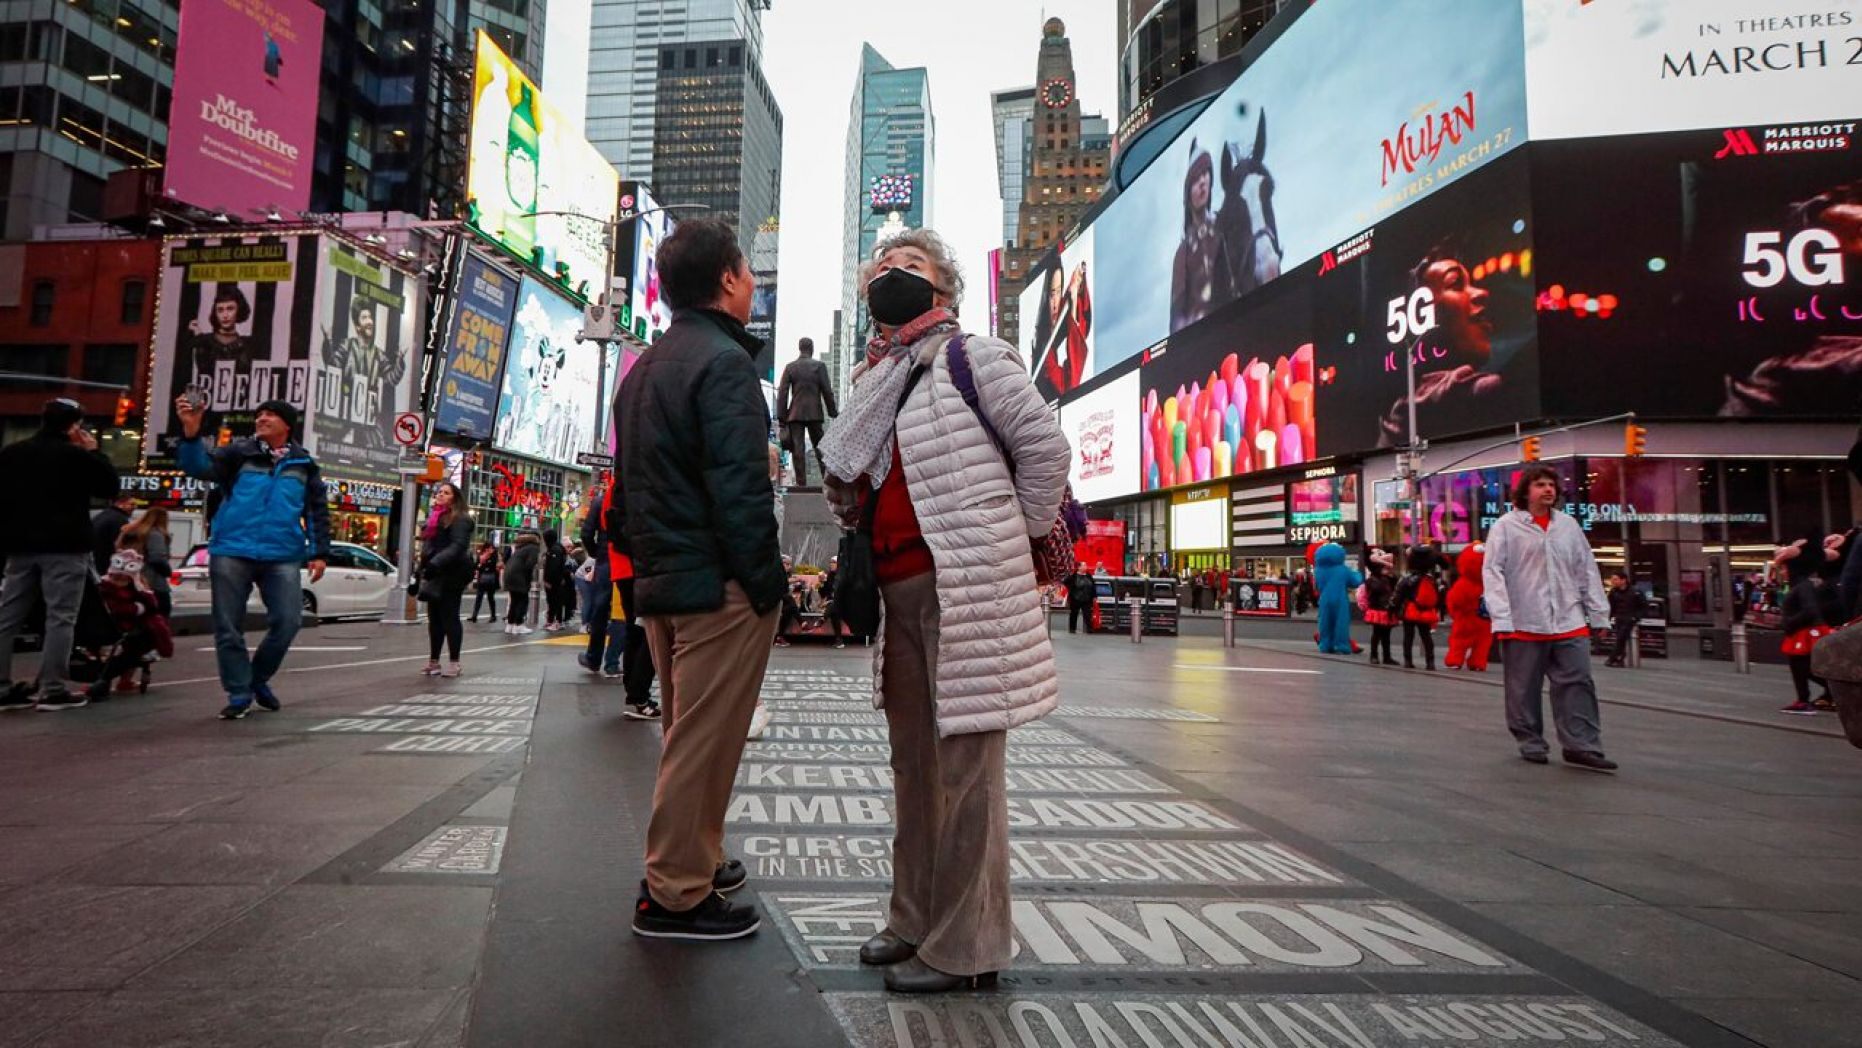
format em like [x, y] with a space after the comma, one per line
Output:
[963, 653]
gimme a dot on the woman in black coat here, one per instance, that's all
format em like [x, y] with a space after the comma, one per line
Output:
[446, 568]
[486, 581]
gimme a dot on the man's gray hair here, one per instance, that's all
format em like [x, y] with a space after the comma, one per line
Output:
[949, 274]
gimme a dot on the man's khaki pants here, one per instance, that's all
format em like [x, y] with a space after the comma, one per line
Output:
[711, 666]
[950, 868]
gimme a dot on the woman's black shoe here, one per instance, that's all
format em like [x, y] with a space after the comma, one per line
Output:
[1388, 661]
[915, 976]
[886, 948]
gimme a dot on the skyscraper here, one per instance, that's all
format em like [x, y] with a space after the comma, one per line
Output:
[890, 131]
[514, 25]
[1014, 114]
[719, 137]
[625, 42]
[1067, 163]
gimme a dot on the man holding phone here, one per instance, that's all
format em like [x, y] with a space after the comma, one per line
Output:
[274, 518]
[48, 550]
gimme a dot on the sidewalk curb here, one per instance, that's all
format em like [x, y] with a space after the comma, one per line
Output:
[1497, 682]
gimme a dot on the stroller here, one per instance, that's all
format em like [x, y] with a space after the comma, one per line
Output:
[102, 650]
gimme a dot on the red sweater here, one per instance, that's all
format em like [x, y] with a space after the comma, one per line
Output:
[899, 550]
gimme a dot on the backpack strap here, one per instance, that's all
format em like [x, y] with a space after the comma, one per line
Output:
[965, 379]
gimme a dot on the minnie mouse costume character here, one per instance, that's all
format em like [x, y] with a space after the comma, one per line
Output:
[1470, 634]
[1374, 599]
[1418, 604]
[1812, 609]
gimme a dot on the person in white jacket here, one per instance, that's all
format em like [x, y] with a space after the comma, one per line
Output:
[955, 494]
[1545, 596]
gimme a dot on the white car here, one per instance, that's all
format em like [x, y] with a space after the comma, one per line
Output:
[356, 583]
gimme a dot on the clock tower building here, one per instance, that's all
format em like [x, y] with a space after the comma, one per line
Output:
[1066, 164]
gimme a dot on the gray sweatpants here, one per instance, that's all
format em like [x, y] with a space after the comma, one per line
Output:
[59, 578]
[1566, 663]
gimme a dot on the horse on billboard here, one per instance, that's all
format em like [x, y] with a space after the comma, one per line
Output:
[1246, 220]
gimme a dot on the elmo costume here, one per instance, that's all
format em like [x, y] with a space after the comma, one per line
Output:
[1471, 635]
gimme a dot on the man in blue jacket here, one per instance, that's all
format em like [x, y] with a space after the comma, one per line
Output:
[274, 519]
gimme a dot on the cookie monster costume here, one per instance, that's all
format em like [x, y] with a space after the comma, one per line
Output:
[1334, 581]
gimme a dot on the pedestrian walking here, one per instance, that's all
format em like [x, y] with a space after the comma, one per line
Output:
[107, 527]
[1626, 609]
[1418, 603]
[1081, 593]
[485, 580]
[1545, 596]
[149, 536]
[558, 583]
[1811, 610]
[273, 523]
[446, 568]
[46, 538]
[520, 567]
[949, 454]
[1376, 600]
[832, 611]
[701, 528]
[617, 642]
[803, 398]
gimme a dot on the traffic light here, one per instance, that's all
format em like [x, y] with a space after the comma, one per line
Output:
[436, 470]
[1635, 440]
[124, 406]
[1529, 449]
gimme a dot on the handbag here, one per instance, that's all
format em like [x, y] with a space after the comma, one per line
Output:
[1053, 552]
[856, 588]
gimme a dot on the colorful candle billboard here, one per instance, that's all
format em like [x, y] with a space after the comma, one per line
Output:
[243, 123]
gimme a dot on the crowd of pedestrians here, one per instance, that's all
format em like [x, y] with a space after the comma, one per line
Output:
[947, 470]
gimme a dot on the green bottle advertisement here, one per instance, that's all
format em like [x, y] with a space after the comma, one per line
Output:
[521, 173]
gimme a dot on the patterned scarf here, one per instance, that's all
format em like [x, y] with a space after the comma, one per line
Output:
[860, 441]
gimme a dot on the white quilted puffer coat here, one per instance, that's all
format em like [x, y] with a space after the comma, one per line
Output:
[995, 667]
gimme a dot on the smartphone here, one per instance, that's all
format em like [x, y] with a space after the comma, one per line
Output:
[196, 397]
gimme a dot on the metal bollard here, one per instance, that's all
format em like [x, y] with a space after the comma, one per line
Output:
[1228, 630]
[1634, 653]
[1742, 660]
[1137, 619]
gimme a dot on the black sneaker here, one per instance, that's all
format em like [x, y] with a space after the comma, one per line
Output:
[582, 660]
[648, 710]
[1589, 761]
[236, 710]
[1536, 758]
[731, 876]
[100, 690]
[262, 694]
[61, 700]
[18, 697]
[716, 918]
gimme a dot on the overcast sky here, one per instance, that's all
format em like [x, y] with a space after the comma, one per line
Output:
[970, 48]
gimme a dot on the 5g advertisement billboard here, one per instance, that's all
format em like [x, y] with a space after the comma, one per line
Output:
[1357, 111]
[1727, 280]
[533, 183]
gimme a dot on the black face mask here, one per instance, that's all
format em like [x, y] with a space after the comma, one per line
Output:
[899, 296]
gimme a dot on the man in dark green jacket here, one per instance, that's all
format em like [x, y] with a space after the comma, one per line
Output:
[700, 521]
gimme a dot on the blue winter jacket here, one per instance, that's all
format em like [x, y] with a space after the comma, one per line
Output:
[275, 511]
